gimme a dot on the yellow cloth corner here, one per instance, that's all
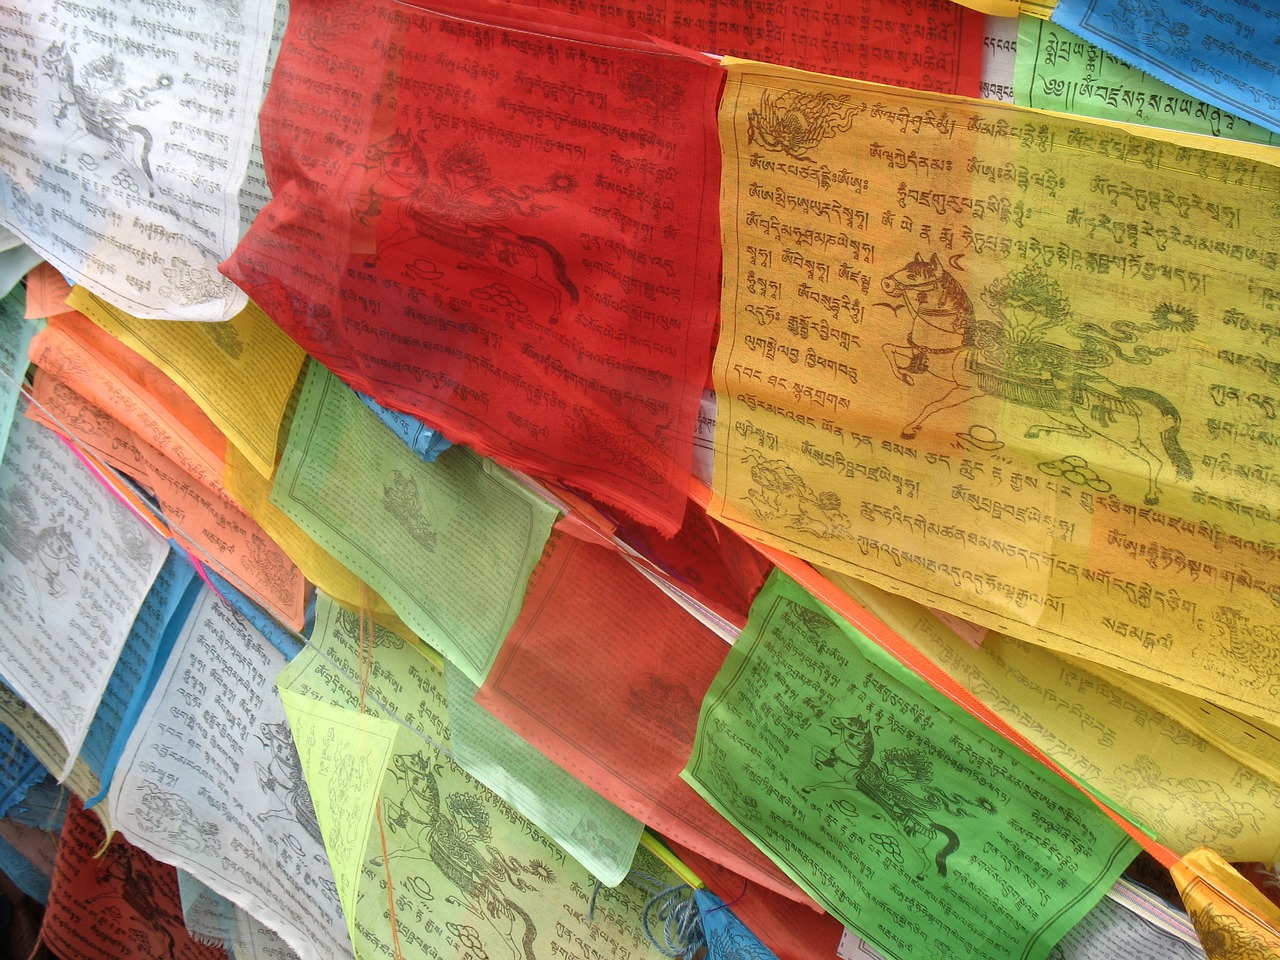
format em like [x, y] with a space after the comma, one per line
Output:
[240, 371]
[1233, 919]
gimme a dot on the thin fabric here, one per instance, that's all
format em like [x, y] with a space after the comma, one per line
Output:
[899, 812]
[923, 44]
[1010, 364]
[111, 901]
[1222, 53]
[1233, 920]
[422, 853]
[127, 142]
[604, 675]
[728, 938]
[520, 249]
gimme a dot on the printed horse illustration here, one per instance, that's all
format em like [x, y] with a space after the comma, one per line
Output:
[453, 836]
[975, 358]
[283, 779]
[97, 104]
[55, 555]
[459, 207]
[898, 783]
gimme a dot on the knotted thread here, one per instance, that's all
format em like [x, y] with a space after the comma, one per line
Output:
[670, 919]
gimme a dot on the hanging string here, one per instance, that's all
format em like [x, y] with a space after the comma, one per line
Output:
[724, 906]
[366, 671]
[391, 896]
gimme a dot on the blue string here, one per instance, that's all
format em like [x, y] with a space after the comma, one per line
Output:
[671, 906]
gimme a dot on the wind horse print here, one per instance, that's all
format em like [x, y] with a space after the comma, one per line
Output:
[459, 210]
[1014, 357]
[99, 106]
[1009, 364]
[898, 781]
[123, 168]
[899, 812]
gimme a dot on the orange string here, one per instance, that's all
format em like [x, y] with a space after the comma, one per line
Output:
[366, 671]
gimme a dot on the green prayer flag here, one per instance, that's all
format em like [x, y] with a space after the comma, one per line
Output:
[1056, 70]
[449, 544]
[899, 812]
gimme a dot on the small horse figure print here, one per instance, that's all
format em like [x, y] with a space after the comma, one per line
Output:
[97, 104]
[974, 358]
[939, 339]
[898, 783]
[458, 207]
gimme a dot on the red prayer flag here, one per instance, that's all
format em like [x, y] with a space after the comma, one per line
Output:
[706, 559]
[933, 45]
[505, 226]
[604, 675]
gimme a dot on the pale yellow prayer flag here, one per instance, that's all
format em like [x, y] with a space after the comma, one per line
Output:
[1038, 8]
[240, 371]
[344, 755]
[1174, 783]
[1011, 364]
[1253, 743]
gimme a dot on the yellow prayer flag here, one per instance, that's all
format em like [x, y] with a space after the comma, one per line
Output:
[1010, 364]
[240, 371]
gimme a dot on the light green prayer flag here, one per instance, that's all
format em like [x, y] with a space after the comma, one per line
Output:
[599, 835]
[903, 815]
[449, 545]
[1056, 70]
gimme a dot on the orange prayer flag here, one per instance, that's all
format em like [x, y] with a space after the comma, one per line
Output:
[47, 292]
